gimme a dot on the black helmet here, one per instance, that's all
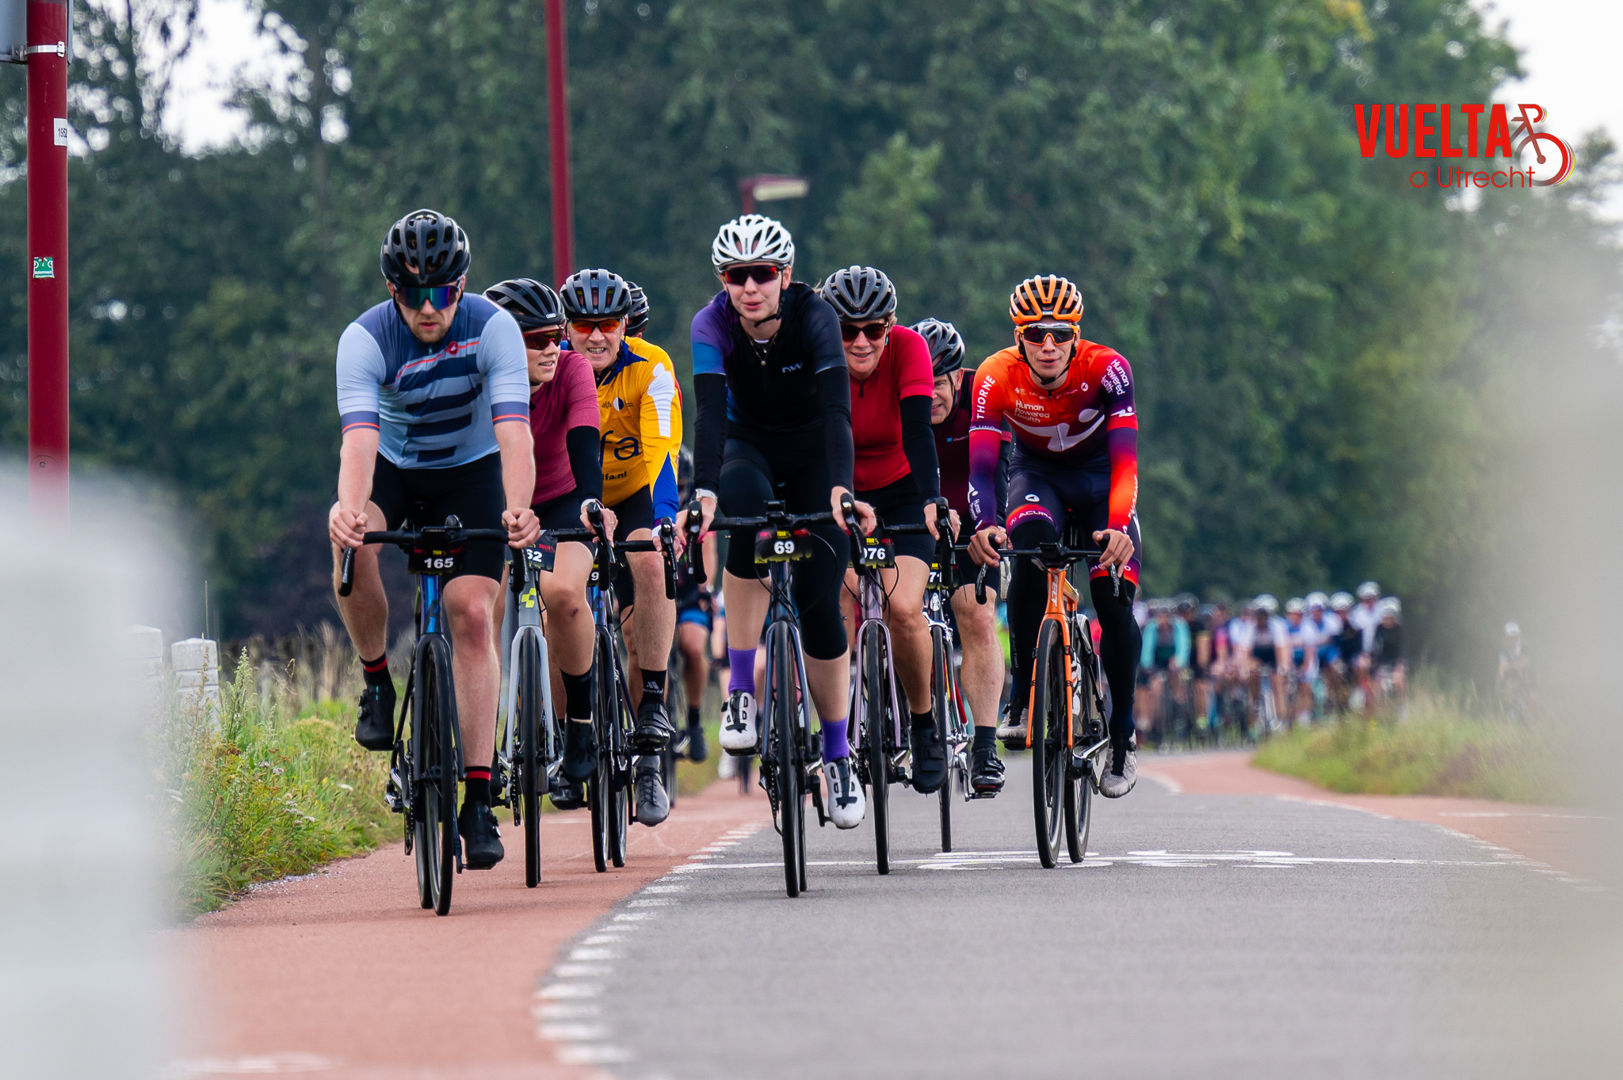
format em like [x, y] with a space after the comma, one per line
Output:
[533, 304]
[860, 292]
[946, 345]
[595, 294]
[424, 248]
[637, 321]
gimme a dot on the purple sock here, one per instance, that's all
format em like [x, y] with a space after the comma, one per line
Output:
[835, 745]
[740, 670]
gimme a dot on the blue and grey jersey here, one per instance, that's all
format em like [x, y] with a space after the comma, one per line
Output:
[434, 406]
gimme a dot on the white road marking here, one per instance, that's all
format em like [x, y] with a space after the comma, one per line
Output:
[981, 860]
[569, 991]
[592, 1054]
[575, 1032]
[588, 954]
[564, 1010]
[256, 1065]
[581, 971]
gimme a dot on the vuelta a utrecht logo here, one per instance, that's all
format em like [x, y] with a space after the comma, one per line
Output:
[1531, 158]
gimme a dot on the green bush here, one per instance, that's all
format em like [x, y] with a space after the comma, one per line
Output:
[1443, 744]
[273, 789]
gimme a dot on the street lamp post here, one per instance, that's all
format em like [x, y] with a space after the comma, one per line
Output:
[765, 187]
[563, 233]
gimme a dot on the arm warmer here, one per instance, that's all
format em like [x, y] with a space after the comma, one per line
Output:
[834, 394]
[918, 443]
[585, 461]
[1001, 484]
[710, 434]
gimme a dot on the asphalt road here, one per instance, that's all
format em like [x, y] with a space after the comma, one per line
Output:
[1203, 936]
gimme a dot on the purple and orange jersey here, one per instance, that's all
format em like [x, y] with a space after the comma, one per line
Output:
[1088, 418]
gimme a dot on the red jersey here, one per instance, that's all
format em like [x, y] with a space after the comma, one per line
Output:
[1088, 416]
[876, 416]
[568, 400]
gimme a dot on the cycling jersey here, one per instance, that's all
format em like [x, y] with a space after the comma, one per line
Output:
[1165, 644]
[1365, 620]
[1388, 650]
[562, 404]
[890, 418]
[1304, 645]
[641, 412]
[428, 403]
[1326, 630]
[760, 391]
[1246, 637]
[1089, 416]
[952, 459]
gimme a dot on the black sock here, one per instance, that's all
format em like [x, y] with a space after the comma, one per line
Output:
[693, 716]
[476, 787]
[376, 672]
[653, 685]
[578, 695]
[923, 721]
[986, 738]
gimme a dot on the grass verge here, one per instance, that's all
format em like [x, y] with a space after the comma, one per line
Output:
[1443, 744]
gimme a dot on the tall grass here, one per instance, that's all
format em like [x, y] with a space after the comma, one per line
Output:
[276, 787]
[1445, 742]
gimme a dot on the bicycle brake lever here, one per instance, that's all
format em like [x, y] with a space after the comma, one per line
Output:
[346, 572]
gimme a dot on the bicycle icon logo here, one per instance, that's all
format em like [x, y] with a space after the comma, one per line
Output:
[1546, 147]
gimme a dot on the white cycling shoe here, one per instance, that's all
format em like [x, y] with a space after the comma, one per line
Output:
[739, 734]
[846, 803]
[1119, 780]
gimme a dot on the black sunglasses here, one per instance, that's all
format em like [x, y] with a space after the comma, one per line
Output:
[439, 297]
[543, 337]
[1037, 333]
[760, 274]
[872, 331]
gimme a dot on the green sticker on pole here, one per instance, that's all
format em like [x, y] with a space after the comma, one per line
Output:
[44, 266]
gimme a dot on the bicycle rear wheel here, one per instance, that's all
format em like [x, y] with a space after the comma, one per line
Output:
[876, 738]
[621, 764]
[432, 720]
[941, 694]
[790, 777]
[527, 708]
[1050, 721]
[1079, 776]
[597, 787]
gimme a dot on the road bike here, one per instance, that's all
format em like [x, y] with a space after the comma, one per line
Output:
[879, 742]
[614, 717]
[791, 762]
[952, 715]
[425, 763]
[1065, 730]
[527, 758]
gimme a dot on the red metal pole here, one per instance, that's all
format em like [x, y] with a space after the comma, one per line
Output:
[48, 259]
[563, 203]
[746, 194]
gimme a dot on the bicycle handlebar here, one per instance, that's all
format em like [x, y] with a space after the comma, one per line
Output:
[404, 537]
[1052, 556]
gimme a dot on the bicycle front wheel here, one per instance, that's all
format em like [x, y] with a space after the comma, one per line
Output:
[620, 761]
[527, 710]
[1079, 775]
[941, 695]
[876, 737]
[790, 777]
[597, 787]
[1050, 722]
[434, 715]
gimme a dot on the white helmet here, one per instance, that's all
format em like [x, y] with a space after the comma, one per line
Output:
[1266, 602]
[752, 238]
[1512, 630]
[1341, 601]
[1317, 600]
[1390, 605]
[1296, 606]
[1368, 591]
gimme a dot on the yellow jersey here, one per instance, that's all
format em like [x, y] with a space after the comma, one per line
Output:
[640, 403]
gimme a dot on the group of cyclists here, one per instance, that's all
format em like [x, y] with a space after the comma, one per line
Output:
[1327, 653]
[533, 408]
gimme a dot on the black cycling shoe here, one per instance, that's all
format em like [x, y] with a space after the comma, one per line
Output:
[653, 727]
[697, 751]
[580, 751]
[985, 771]
[567, 794]
[481, 837]
[374, 729]
[929, 760]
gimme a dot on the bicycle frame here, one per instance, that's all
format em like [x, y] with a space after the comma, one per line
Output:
[524, 618]
[1063, 605]
[871, 622]
[781, 620]
[938, 590]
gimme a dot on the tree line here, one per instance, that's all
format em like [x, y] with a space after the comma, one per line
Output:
[1328, 360]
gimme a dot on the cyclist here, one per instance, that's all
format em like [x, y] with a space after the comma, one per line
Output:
[1365, 618]
[641, 415]
[1386, 658]
[895, 472]
[637, 320]
[982, 671]
[1261, 643]
[432, 399]
[1069, 403]
[775, 422]
[1304, 646]
[568, 474]
[1163, 658]
[694, 613]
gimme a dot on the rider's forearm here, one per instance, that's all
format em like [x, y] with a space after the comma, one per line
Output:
[585, 460]
[518, 463]
[357, 460]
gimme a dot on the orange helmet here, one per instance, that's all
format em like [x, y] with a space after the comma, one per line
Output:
[1040, 299]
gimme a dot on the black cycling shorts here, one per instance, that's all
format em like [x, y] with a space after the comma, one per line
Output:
[1044, 496]
[901, 504]
[968, 568]
[795, 469]
[473, 492]
[635, 511]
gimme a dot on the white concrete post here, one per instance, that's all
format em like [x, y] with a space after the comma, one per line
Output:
[196, 662]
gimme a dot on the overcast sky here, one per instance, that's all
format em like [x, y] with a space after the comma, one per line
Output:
[1569, 48]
